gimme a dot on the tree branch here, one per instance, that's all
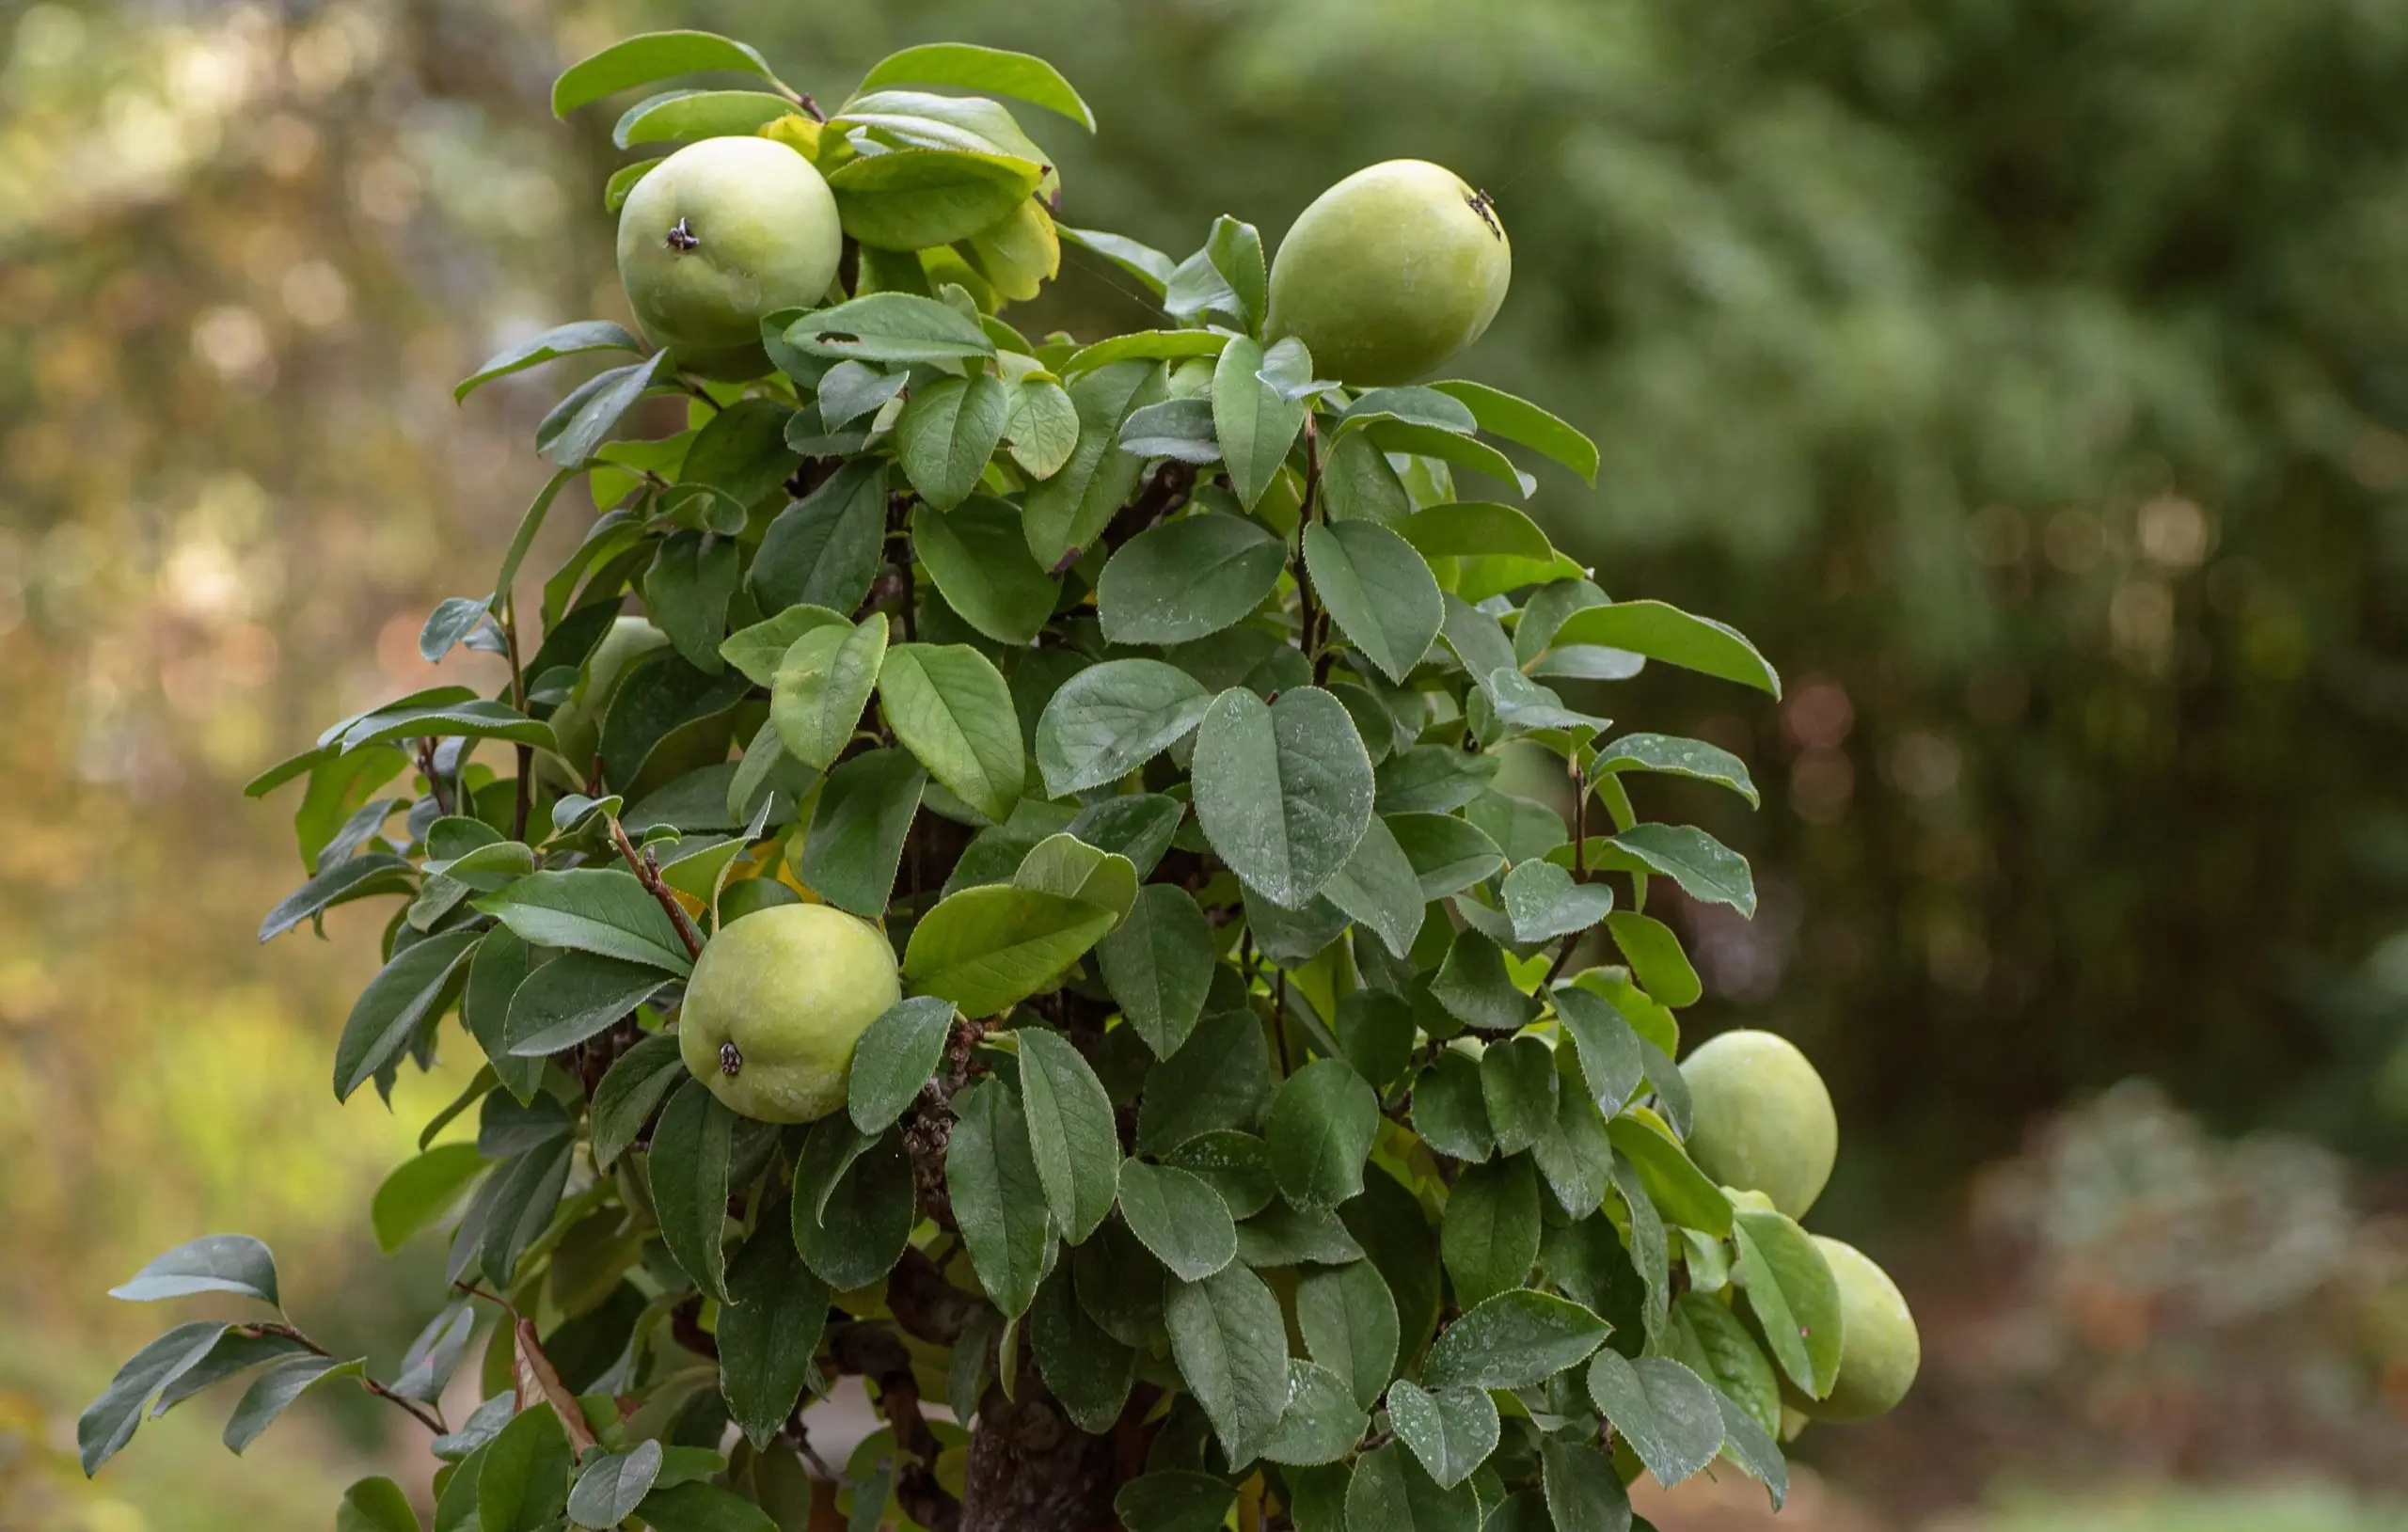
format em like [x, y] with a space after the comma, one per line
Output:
[647, 872]
[877, 1355]
[416, 1411]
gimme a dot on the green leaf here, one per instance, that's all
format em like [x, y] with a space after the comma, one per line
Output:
[1609, 1056]
[622, 181]
[949, 706]
[455, 720]
[1173, 1500]
[1022, 76]
[1448, 854]
[274, 1392]
[1254, 422]
[1750, 1447]
[524, 1484]
[1158, 966]
[1692, 758]
[1070, 1131]
[638, 1082]
[825, 548]
[694, 1506]
[1379, 890]
[1395, 434]
[1284, 1235]
[234, 1263]
[1069, 510]
[1583, 1491]
[575, 996]
[1501, 413]
[1322, 1422]
[398, 1001]
[1476, 640]
[978, 556]
[1517, 1084]
[1489, 1238]
[1319, 1130]
[1064, 864]
[997, 1198]
[677, 117]
[1704, 867]
[1433, 780]
[609, 1488]
[1665, 1412]
[821, 684]
[1086, 1369]
[1449, 1110]
[690, 1149]
[1543, 903]
[109, 1421]
[760, 648]
[1452, 1431]
[856, 841]
[648, 57]
[852, 1226]
[1120, 1286]
[1675, 1184]
[1472, 985]
[1232, 1346]
[375, 1504]
[583, 420]
[1219, 1078]
[1041, 429]
[1348, 1319]
[946, 434]
[1142, 262]
[594, 909]
[1655, 957]
[1379, 590]
[915, 198]
[1111, 719]
[1177, 1216]
[1235, 1165]
[897, 1055]
[1187, 579]
[1671, 635]
[420, 1191]
[1147, 345]
[1180, 429]
[889, 327]
[987, 948]
[1515, 1339]
[1391, 1493]
[1235, 250]
[560, 340]
[1796, 1299]
[1283, 790]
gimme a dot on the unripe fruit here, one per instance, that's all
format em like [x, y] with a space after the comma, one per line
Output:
[777, 1002]
[1881, 1351]
[1390, 273]
[1763, 1119]
[719, 234]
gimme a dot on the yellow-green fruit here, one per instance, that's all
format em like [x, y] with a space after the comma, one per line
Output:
[1880, 1350]
[719, 234]
[777, 1000]
[1764, 1121]
[1390, 273]
[577, 723]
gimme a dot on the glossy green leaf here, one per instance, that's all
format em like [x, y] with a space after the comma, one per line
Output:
[583, 420]
[609, 1488]
[1283, 790]
[1665, 1412]
[1452, 1431]
[1322, 1422]
[398, 1001]
[980, 559]
[1064, 864]
[1070, 1131]
[688, 1163]
[594, 909]
[1583, 1491]
[109, 1421]
[1232, 1346]
[375, 1504]
[987, 948]
[1704, 867]
[1501, 413]
[1177, 1216]
[649, 57]
[1349, 1323]
[1515, 1339]
[1254, 422]
[1517, 1084]
[1144, 345]
[915, 198]
[897, 1055]
[574, 997]
[560, 340]
[1473, 986]
[232, 1263]
[1158, 966]
[1378, 589]
[851, 1221]
[1676, 638]
[638, 1082]
[1173, 1500]
[1692, 758]
[1489, 1238]
[1219, 1078]
[1545, 904]
[950, 707]
[1676, 1185]
[1795, 1296]
[1391, 1492]
[1750, 1447]
[1319, 1130]
[889, 327]
[1450, 1110]
[855, 845]
[694, 1506]
[418, 1191]
[1021, 76]
[277, 1390]
[948, 432]
[1110, 718]
[679, 117]
[1187, 579]
[997, 1199]
[821, 684]
[1655, 957]
[1068, 511]
[523, 1486]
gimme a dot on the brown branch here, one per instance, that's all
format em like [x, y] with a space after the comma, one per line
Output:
[416, 1411]
[1164, 493]
[685, 1328]
[647, 870]
[924, 1303]
[876, 1355]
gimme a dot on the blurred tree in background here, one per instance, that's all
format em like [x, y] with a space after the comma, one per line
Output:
[2030, 378]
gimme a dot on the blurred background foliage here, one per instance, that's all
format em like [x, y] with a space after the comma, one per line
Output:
[2029, 378]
